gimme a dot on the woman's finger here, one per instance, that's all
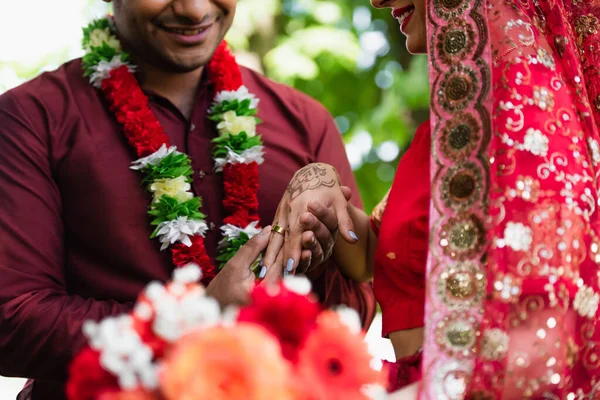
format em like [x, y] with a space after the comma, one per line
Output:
[275, 273]
[345, 222]
[292, 247]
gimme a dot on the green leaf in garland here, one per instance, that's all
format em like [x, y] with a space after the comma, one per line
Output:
[233, 246]
[241, 109]
[238, 143]
[169, 209]
[101, 23]
[97, 54]
[170, 167]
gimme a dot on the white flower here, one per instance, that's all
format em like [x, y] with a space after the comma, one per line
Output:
[102, 70]
[536, 142]
[178, 188]
[508, 287]
[297, 284]
[349, 317]
[188, 274]
[595, 149]
[586, 302]
[122, 352]
[231, 232]
[99, 36]
[177, 316]
[253, 154]
[517, 236]
[154, 158]
[241, 94]
[180, 230]
[233, 124]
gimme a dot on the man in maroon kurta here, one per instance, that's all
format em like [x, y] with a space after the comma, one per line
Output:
[73, 224]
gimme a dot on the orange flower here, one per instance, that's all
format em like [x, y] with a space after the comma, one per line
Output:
[134, 395]
[219, 363]
[335, 363]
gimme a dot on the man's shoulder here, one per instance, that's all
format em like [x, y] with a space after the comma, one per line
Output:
[288, 96]
[50, 89]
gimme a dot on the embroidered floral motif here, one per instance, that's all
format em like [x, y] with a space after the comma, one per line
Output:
[516, 236]
[536, 142]
[595, 150]
[586, 302]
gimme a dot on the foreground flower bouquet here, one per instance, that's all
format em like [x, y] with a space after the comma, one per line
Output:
[177, 344]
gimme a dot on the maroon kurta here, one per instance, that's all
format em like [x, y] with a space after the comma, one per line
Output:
[73, 225]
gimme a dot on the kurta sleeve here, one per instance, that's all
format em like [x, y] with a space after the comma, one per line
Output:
[331, 285]
[40, 322]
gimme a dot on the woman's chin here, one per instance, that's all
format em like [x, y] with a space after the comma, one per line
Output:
[416, 44]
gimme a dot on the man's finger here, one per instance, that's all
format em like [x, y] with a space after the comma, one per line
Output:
[326, 215]
[249, 252]
[310, 242]
[320, 234]
[347, 192]
[305, 261]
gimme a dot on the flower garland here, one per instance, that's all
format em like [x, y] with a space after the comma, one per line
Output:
[175, 211]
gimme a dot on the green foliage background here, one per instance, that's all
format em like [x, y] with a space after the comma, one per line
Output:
[343, 53]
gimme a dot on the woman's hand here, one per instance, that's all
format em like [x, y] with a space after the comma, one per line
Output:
[306, 240]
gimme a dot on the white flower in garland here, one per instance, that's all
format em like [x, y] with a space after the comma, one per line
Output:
[178, 188]
[253, 154]
[233, 124]
[231, 232]
[586, 302]
[518, 236]
[122, 352]
[179, 230]
[240, 95]
[536, 142]
[99, 36]
[154, 158]
[103, 69]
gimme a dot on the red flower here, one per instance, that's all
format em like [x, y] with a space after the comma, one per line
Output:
[87, 378]
[334, 363]
[224, 71]
[196, 253]
[241, 187]
[130, 105]
[288, 316]
[241, 217]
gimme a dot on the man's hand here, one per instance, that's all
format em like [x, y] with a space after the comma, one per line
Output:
[314, 190]
[233, 284]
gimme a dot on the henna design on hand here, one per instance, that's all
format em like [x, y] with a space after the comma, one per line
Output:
[310, 177]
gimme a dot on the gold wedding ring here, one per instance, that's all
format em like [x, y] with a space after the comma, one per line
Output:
[278, 229]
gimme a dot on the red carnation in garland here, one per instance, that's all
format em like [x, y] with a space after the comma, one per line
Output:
[290, 317]
[241, 187]
[87, 378]
[196, 253]
[241, 217]
[224, 71]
